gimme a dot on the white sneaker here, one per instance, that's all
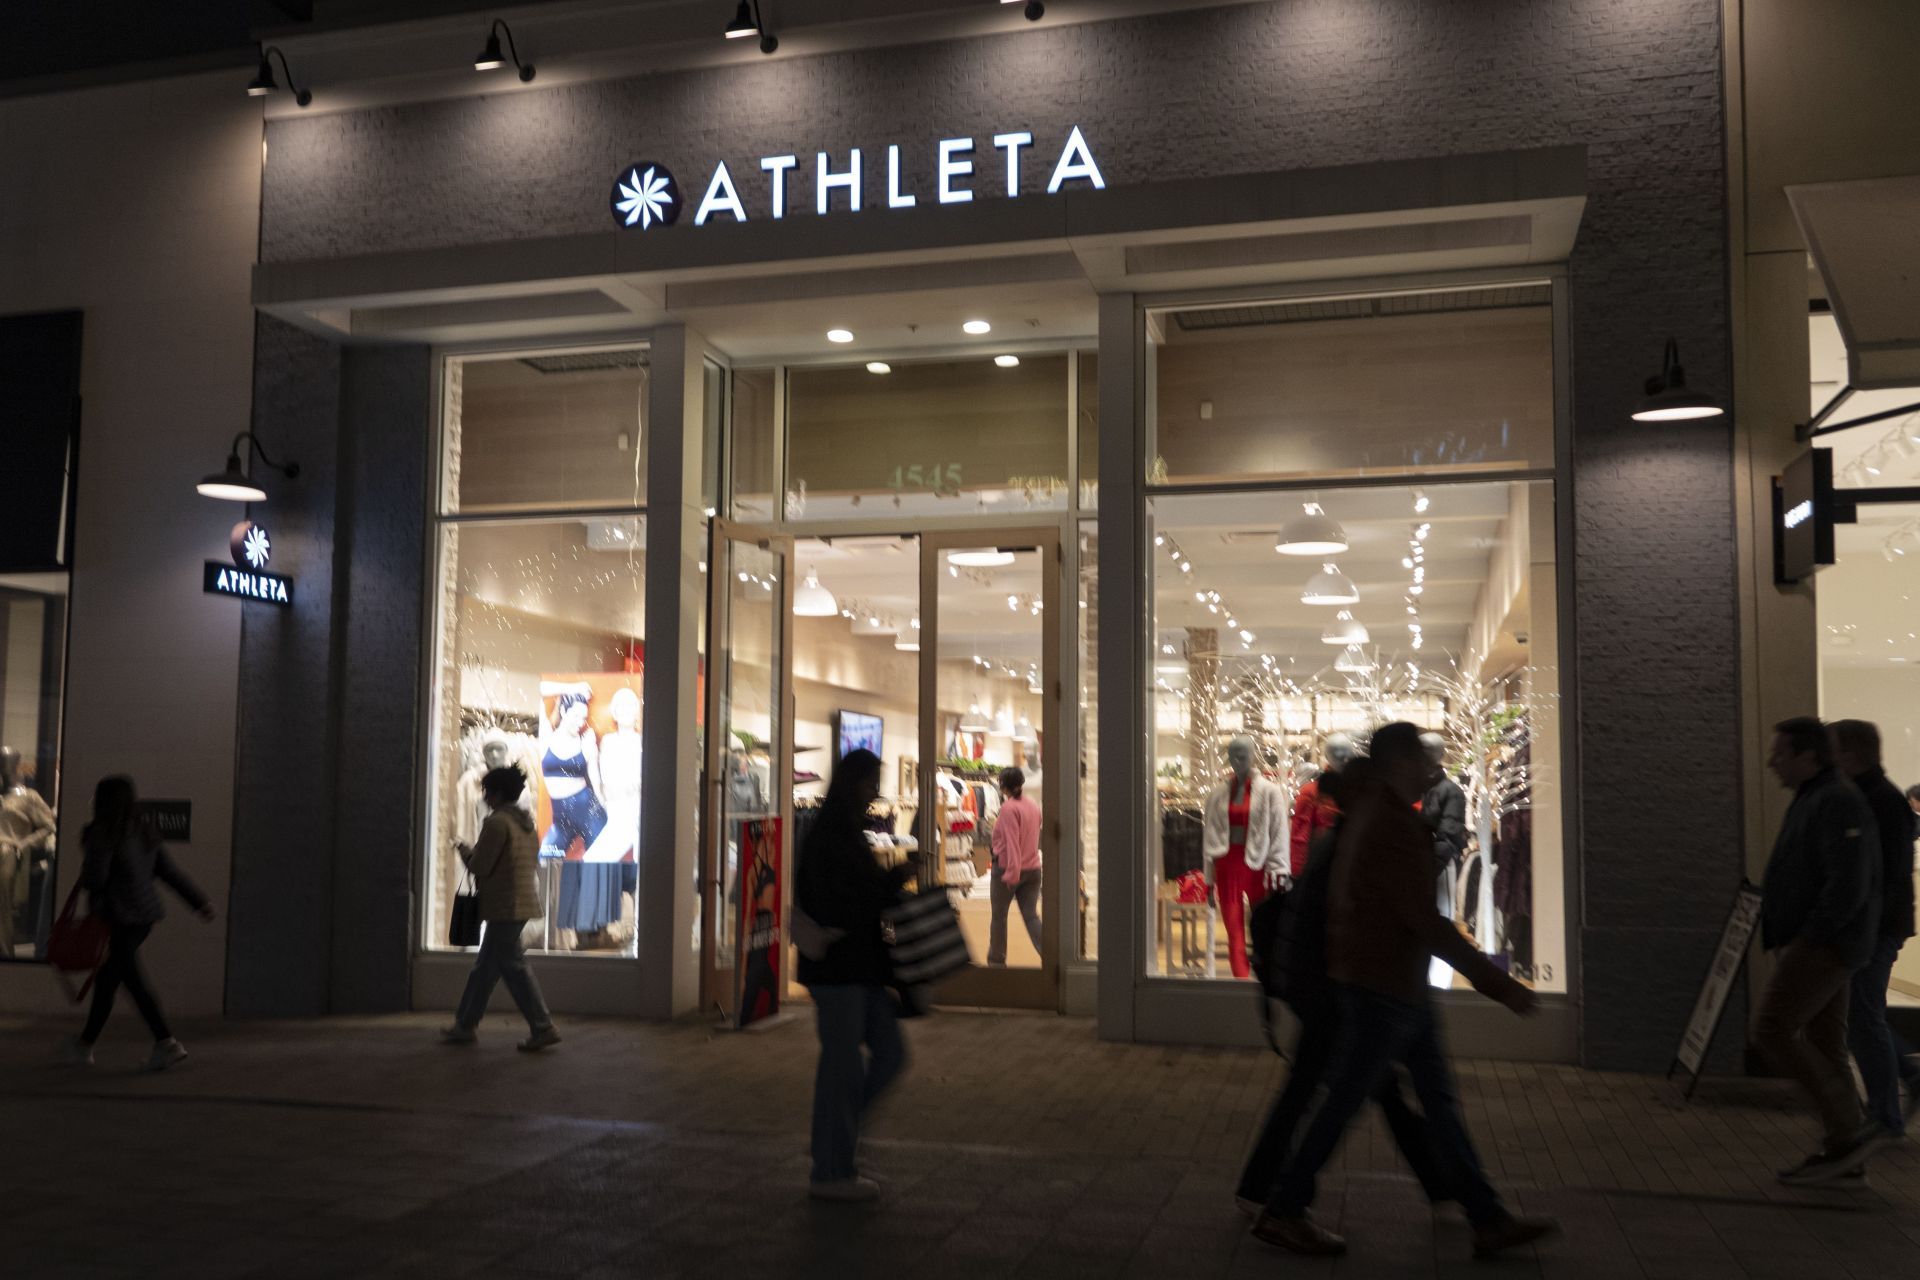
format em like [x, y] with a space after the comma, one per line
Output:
[74, 1053]
[845, 1190]
[166, 1053]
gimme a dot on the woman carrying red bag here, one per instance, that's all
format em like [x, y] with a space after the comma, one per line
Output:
[123, 859]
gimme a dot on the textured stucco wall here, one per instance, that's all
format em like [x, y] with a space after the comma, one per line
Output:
[1292, 84]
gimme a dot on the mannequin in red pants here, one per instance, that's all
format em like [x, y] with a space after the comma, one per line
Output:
[1244, 840]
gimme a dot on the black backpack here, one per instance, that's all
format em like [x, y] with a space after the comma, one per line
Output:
[1287, 934]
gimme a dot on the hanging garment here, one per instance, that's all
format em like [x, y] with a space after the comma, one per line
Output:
[1312, 814]
[1182, 840]
[590, 894]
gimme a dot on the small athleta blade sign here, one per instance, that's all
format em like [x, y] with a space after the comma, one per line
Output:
[247, 577]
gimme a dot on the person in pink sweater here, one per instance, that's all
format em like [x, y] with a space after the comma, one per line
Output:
[1016, 864]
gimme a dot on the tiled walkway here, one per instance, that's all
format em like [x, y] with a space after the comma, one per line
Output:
[1017, 1145]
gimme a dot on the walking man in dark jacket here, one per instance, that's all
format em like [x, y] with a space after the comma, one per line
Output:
[1819, 916]
[1381, 929]
[1877, 1048]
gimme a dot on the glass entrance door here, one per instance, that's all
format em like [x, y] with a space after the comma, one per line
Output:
[746, 861]
[990, 692]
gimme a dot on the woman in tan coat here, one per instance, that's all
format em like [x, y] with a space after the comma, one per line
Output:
[504, 860]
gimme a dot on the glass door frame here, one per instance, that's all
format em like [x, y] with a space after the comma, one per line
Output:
[979, 985]
[720, 985]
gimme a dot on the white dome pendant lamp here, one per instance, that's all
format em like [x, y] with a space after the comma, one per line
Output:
[1345, 631]
[813, 600]
[1311, 533]
[1330, 586]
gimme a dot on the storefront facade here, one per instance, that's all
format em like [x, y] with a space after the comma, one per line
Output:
[581, 492]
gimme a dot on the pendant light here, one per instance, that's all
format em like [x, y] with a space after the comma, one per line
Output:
[1345, 631]
[986, 558]
[975, 721]
[1354, 661]
[1003, 723]
[1311, 533]
[908, 640]
[1667, 398]
[1330, 586]
[813, 600]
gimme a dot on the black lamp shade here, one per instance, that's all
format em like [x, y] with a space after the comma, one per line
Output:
[231, 484]
[1667, 398]
[263, 82]
[743, 24]
[490, 59]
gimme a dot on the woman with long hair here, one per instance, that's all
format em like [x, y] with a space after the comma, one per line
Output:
[123, 860]
[842, 889]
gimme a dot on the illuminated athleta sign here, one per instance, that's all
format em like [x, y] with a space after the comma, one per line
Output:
[645, 193]
[247, 578]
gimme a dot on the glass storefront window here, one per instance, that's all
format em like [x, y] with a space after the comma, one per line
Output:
[1089, 888]
[541, 651]
[1869, 645]
[33, 646]
[751, 448]
[1419, 384]
[980, 437]
[1088, 416]
[548, 430]
[1270, 667]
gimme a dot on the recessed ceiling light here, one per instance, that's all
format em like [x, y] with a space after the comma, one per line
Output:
[976, 327]
[879, 366]
[839, 335]
[1007, 362]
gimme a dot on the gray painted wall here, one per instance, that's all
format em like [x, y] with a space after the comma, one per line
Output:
[330, 689]
[1270, 87]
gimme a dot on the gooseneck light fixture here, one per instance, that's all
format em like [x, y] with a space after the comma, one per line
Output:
[263, 82]
[747, 21]
[1668, 399]
[233, 484]
[489, 58]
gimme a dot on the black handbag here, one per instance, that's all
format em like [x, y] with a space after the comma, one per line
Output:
[463, 925]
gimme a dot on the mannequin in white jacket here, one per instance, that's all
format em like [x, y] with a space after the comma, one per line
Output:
[1243, 839]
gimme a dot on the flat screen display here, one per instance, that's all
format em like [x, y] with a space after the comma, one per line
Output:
[858, 732]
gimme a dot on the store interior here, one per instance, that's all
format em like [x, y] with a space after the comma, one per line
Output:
[860, 636]
[542, 636]
[1869, 626]
[33, 629]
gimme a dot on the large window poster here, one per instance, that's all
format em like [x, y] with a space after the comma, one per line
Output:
[759, 933]
[587, 801]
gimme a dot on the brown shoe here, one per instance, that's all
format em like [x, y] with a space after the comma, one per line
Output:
[1510, 1233]
[1299, 1235]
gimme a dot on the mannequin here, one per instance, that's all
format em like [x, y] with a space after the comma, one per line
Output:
[570, 775]
[1444, 808]
[1243, 842]
[495, 753]
[1311, 813]
[26, 847]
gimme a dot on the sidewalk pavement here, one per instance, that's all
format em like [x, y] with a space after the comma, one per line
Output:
[1017, 1145]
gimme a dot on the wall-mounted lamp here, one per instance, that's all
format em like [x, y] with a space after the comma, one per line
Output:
[489, 58]
[747, 22]
[263, 82]
[1034, 10]
[233, 484]
[1667, 398]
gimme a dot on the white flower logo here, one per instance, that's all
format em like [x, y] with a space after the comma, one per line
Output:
[645, 197]
[256, 548]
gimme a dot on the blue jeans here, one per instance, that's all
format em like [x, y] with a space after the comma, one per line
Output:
[848, 1015]
[1374, 1033]
[1877, 1048]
